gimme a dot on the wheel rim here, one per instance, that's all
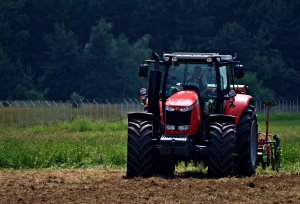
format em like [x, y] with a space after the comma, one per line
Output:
[253, 144]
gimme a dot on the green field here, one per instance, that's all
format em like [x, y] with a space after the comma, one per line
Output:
[83, 143]
[78, 143]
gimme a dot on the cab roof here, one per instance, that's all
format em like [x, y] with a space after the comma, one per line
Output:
[191, 56]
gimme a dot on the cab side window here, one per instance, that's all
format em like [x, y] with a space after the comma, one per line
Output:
[223, 75]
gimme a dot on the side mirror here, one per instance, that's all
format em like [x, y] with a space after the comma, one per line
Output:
[143, 70]
[239, 71]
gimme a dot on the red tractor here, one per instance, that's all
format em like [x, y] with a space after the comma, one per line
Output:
[194, 112]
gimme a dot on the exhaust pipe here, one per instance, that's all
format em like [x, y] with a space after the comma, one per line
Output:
[153, 92]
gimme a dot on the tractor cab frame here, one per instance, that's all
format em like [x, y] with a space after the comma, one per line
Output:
[174, 75]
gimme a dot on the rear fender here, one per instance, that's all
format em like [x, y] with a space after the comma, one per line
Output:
[241, 102]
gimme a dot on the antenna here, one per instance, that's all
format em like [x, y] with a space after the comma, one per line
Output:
[235, 56]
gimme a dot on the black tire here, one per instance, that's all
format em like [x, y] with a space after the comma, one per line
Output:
[139, 149]
[221, 158]
[246, 143]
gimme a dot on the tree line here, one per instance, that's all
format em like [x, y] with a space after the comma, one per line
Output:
[55, 49]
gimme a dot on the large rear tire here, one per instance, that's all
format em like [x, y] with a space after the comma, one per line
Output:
[221, 158]
[246, 143]
[139, 149]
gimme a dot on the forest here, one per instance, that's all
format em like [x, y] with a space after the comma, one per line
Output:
[59, 49]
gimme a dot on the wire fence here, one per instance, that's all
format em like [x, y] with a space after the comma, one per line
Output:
[281, 105]
[30, 113]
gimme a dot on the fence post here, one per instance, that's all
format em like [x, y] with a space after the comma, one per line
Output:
[3, 118]
[75, 109]
[11, 115]
[116, 110]
[34, 117]
[91, 110]
[19, 115]
[26, 121]
[56, 116]
[49, 113]
[103, 108]
[109, 116]
[43, 114]
[65, 115]
[97, 109]
[120, 102]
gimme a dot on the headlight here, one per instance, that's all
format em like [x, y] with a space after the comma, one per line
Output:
[185, 109]
[170, 127]
[168, 108]
[184, 127]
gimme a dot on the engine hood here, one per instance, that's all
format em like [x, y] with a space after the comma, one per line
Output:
[182, 99]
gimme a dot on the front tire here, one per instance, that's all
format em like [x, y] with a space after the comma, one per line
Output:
[139, 149]
[221, 158]
[247, 140]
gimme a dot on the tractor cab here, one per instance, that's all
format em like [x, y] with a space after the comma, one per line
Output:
[206, 77]
[204, 74]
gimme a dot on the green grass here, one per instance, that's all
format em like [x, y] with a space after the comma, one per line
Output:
[83, 143]
[79, 143]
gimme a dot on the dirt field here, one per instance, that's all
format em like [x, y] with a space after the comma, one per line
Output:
[109, 186]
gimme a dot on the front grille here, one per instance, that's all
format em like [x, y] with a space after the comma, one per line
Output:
[178, 118]
[180, 147]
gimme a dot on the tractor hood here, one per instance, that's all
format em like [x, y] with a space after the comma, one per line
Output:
[182, 113]
[182, 99]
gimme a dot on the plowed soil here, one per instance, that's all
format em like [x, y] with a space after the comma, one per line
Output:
[110, 186]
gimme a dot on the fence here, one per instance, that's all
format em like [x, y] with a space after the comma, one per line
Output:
[29, 113]
[282, 105]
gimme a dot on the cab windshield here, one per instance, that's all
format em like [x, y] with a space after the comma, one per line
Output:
[198, 77]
